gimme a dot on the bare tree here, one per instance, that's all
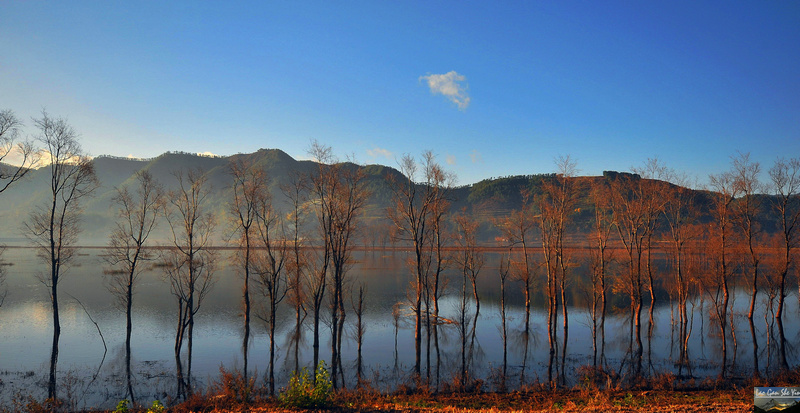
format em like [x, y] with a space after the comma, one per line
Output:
[505, 264]
[470, 259]
[248, 189]
[440, 258]
[27, 157]
[601, 256]
[631, 220]
[725, 192]
[54, 227]
[516, 228]
[23, 154]
[298, 259]
[315, 283]
[556, 204]
[360, 330]
[785, 177]
[681, 215]
[320, 188]
[417, 211]
[126, 252]
[651, 187]
[746, 210]
[269, 265]
[340, 196]
[191, 261]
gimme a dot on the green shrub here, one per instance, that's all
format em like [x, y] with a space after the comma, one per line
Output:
[122, 406]
[303, 392]
[156, 407]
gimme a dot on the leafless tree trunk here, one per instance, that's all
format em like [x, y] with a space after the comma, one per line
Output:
[248, 188]
[681, 214]
[269, 265]
[441, 262]
[126, 252]
[630, 219]
[652, 186]
[556, 204]
[360, 330]
[505, 264]
[746, 210]
[16, 160]
[396, 321]
[340, 196]
[471, 260]
[785, 177]
[603, 225]
[53, 228]
[724, 195]
[298, 261]
[190, 263]
[516, 228]
[417, 212]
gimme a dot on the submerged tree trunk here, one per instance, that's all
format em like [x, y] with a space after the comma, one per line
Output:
[272, 320]
[503, 275]
[190, 343]
[246, 301]
[463, 322]
[51, 384]
[128, 329]
[754, 337]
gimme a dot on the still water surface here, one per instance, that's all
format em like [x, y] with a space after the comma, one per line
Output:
[26, 331]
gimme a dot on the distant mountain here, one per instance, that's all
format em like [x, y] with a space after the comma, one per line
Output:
[112, 172]
[490, 198]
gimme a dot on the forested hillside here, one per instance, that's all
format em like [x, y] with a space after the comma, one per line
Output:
[490, 200]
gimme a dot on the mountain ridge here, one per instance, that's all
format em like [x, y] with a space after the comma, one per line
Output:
[493, 197]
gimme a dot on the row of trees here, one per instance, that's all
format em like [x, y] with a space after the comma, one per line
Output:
[712, 240]
[270, 256]
[638, 215]
[189, 264]
[334, 194]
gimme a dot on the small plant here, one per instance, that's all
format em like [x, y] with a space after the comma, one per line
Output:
[232, 387]
[302, 392]
[122, 406]
[27, 403]
[156, 407]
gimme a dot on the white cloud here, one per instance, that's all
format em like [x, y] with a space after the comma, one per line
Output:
[380, 152]
[207, 154]
[450, 86]
[450, 159]
[476, 156]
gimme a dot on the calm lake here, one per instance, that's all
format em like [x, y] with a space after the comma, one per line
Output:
[93, 379]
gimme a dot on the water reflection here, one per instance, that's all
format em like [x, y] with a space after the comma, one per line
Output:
[388, 339]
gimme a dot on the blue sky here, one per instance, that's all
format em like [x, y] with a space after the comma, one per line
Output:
[493, 88]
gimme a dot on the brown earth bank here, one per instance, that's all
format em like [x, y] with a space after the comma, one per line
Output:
[740, 400]
[231, 393]
[664, 393]
[531, 400]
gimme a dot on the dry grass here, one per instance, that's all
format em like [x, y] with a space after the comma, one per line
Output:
[529, 400]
